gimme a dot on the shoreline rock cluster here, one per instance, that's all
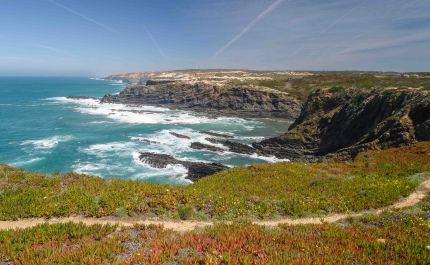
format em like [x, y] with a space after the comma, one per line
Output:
[196, 170]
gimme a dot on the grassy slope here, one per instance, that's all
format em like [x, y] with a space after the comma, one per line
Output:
[375, 179]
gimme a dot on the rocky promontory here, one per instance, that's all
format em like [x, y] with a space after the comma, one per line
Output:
[196, 170]
[341, 124]
[223, 100]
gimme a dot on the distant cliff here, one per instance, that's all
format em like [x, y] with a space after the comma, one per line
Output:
[223, 100]
[346, 122]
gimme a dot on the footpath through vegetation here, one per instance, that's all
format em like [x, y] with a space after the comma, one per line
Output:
[375, 209]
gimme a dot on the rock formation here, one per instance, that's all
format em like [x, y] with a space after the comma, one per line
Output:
[217, 134]
[201, 146]
[196, 170]
[222, 101]
[347, 122]
[178, 135]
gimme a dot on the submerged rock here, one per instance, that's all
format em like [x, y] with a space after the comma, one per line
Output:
[216, 134]
[196, 170]
[180, 135]
[235, 146]
[239, 147]
[145, 141]
[200, 146]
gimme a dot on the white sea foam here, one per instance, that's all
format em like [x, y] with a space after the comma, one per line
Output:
[110, 149]
[270, 159]
[100, 122]
[26, 162]
[141, 115]
[148, 114]
[47, 143]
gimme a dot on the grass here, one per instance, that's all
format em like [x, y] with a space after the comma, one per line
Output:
[375, 179]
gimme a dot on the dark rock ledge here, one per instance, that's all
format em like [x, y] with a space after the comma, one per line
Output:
[196, 170]
[217, 134]
[235, 147]
[200, 146]
[180, 135]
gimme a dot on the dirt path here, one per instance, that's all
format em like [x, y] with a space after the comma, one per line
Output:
[184, 226]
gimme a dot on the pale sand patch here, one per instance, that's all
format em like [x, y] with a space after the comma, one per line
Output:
[184, 226]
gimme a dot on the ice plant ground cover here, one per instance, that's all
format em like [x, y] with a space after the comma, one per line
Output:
[373, 180]
[393, 237]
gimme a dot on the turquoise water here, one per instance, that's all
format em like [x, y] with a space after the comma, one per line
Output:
[43, 131]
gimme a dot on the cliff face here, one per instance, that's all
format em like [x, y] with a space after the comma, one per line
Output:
[353, 120]
[225, 100]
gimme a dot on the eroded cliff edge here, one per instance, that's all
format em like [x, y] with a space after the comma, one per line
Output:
[341, 124]
[235, 101]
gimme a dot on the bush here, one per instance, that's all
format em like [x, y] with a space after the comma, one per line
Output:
[185, 212]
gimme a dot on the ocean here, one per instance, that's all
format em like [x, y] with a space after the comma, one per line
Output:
[43, 131]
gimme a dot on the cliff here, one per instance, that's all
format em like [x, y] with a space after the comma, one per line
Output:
[218, 100]
[353, 120]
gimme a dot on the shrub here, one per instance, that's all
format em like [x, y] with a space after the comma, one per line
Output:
[185, 212]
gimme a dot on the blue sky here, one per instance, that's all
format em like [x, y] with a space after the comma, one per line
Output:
[97, 38]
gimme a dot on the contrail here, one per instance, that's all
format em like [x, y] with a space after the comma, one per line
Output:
[87, 18]
[296, 51]
[261, 16]
[52, 49]
[165, 57]
[334, 23]
[311, 54]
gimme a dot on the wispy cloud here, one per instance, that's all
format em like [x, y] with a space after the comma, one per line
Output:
[82, 16]
[52, 49]
[327, 28]
[393, 42]
[247, 28]
[165, 57]
[334, 23]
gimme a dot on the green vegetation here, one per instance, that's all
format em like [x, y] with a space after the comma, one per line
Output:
[301, 86]
[375, 179]
[394, 237]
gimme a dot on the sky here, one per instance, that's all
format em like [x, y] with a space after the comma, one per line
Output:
[98, 38]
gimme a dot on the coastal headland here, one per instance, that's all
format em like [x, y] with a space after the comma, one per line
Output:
[356, 189]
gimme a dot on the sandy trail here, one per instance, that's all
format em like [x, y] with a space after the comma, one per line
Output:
[184, 226]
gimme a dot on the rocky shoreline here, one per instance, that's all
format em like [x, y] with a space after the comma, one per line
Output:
[340, 125]
[330, 124]
[246, 102]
